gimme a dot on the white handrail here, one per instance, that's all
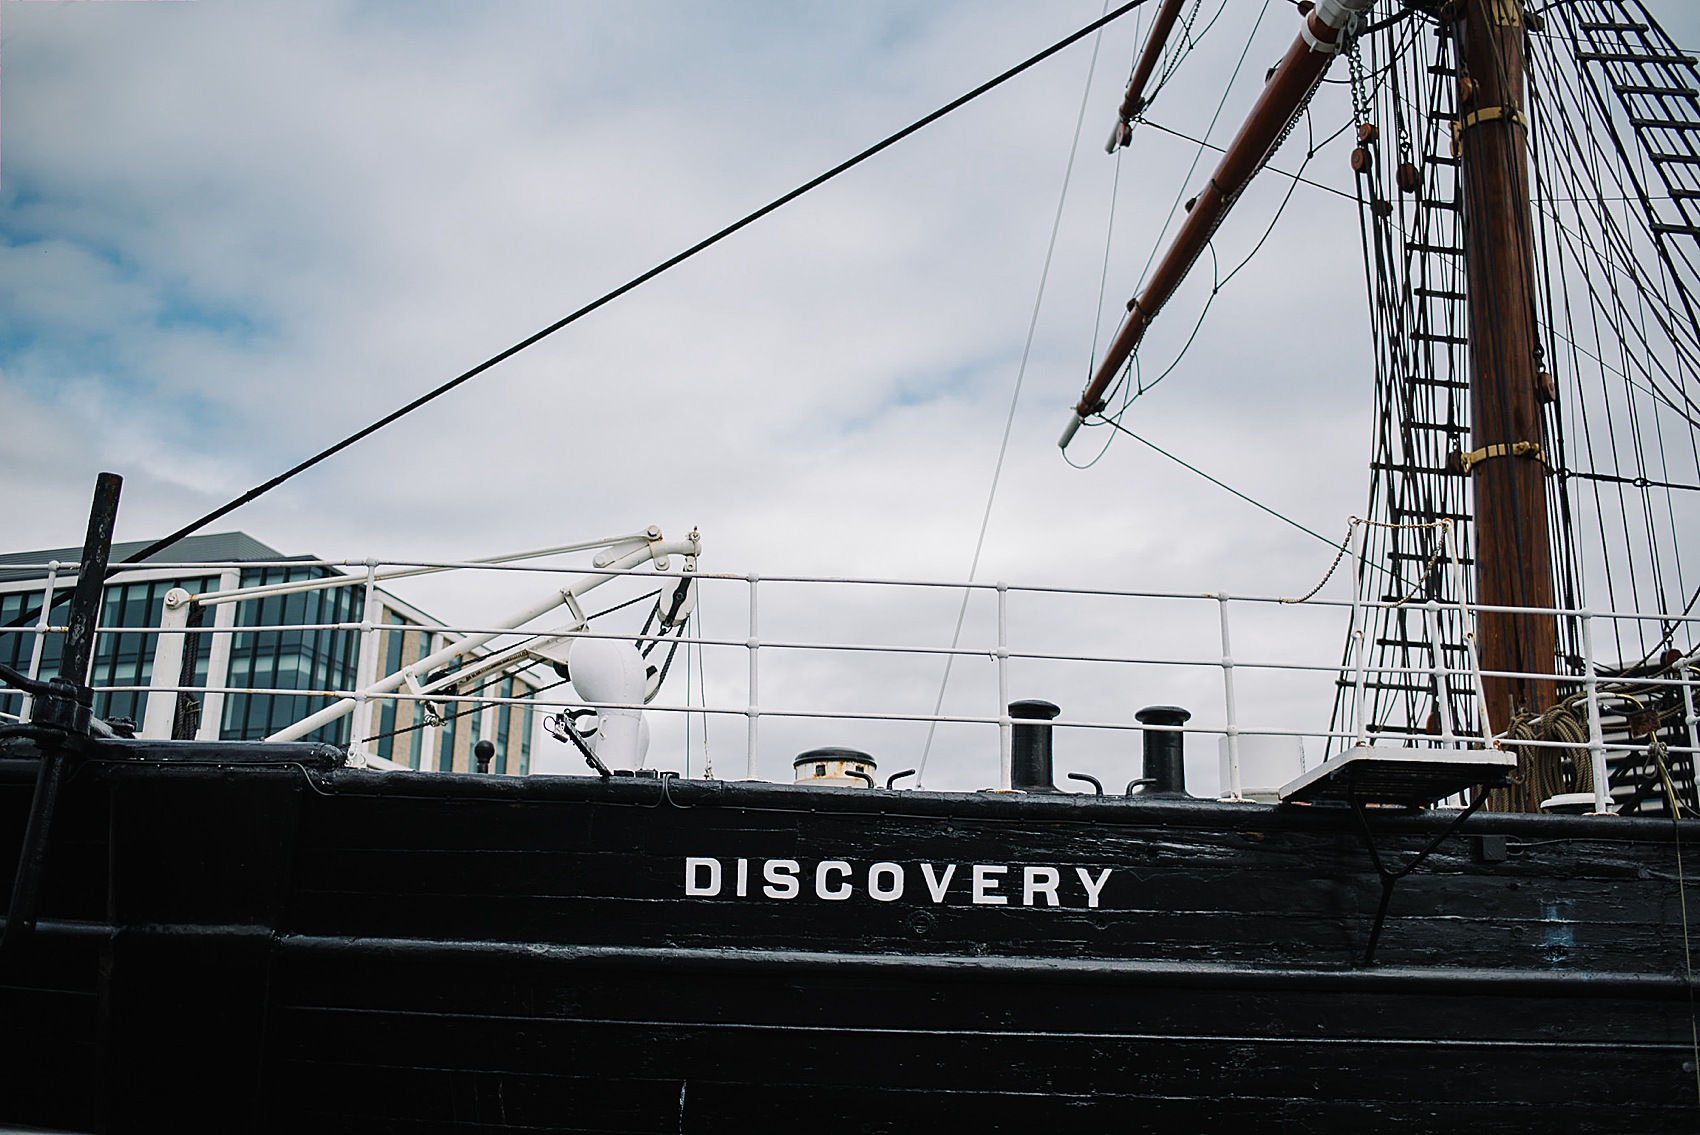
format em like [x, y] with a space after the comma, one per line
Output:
[764, 698]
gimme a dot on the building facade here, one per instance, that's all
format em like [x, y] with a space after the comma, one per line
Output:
[242, 683]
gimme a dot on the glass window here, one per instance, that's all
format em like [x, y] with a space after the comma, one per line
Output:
[121, 659]
[291, 658]
[388, 712]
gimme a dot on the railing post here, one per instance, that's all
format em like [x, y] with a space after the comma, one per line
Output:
[1441, 673]
[1688, 717]
[1596, 735]
[752, 709]
[1467, 633]
[366, 670]
[429, 733]
[41, 626]
[1006, 726]
[1360, 642]
[1234, 792]
[218, 660]
[161, 706]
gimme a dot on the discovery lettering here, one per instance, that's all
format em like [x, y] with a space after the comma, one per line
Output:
[839, 880]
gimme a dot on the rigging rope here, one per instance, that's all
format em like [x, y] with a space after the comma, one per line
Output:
[1217, 283]
[1284, 519]
[1633, 307]
[1272, 169]
[1103, 291]
[1009, 420]
[1186, 180]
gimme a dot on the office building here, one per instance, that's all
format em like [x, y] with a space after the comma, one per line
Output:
[313, 646]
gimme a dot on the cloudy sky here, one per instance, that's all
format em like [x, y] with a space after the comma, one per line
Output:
[234, 232]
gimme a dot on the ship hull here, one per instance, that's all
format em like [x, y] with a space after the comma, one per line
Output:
[235, 945]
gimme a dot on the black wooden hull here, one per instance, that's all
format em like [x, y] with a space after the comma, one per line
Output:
[233, 946]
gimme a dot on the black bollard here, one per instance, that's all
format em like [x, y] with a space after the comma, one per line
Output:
[1165, 770]
[1030, 746]
[483, 751]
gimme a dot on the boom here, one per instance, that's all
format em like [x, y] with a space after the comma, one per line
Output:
[1285, 95]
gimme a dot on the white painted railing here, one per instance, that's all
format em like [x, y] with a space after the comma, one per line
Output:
[1236, 716]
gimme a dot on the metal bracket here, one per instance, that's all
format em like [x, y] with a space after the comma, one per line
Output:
[1389, 876]
[1515, 449]
[1486, 114]
[567, 730]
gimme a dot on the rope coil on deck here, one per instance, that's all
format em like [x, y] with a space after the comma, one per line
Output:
[1543, 772]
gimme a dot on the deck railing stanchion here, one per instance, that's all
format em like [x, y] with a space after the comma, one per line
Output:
[218, 659]
[1228, 695]
[366, 670]
[1466, 631]
[428, 734]
[752, 707]
[41, 625]
[1441, 672]
[1688, 717]
[160, 708]
[1006, 727]
[1360, 727]
[1596, 735]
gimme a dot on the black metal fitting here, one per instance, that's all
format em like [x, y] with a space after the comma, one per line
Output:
[63, 704]
[1030, 746]
[1165, 770]
[1087, 778]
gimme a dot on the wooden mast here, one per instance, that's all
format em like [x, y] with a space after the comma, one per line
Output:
[1508, 464]
[1508, 467]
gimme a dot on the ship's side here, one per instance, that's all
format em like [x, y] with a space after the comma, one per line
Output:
[227, 942]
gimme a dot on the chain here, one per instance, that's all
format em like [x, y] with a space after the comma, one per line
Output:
[1338, 556]
[1360, 93]
[1351, 527]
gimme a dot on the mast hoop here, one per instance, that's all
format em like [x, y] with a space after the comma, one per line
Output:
[1516, 449]
[1509, 114]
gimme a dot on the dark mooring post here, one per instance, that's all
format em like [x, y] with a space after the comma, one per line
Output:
[65, 702]
[1030, 746]
[69, 701]
[91, 580]
[1165, 770]
[1508, 472]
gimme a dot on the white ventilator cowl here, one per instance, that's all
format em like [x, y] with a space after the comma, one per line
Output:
[607, 671]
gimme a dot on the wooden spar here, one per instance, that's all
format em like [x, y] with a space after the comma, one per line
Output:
[1513, 548]
[1134, 101]
[1284, 96]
